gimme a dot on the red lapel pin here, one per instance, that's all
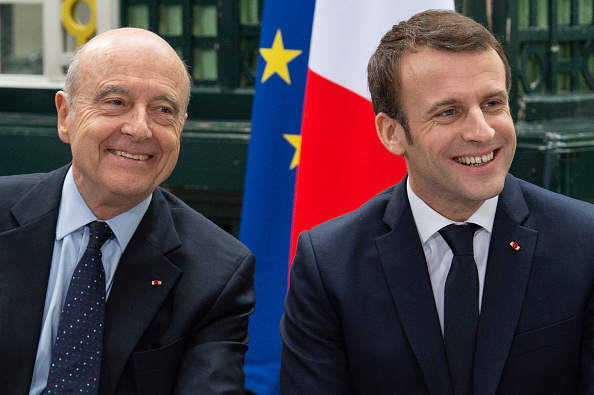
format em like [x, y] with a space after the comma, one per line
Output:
[514, 245]
[156, 282]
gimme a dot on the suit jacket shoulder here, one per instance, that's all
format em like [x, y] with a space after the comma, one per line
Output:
[544, 204]
[364, 223]
[14, 188]
[196, 232]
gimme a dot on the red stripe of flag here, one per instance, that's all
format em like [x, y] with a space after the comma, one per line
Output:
[343, 163]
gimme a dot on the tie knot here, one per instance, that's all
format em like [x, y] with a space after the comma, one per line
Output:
[459, 237]
[99, 233]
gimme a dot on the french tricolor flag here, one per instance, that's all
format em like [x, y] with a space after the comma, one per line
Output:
[343, 163]
[314, 153]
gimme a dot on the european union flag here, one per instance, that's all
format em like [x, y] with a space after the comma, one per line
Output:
[273, 156]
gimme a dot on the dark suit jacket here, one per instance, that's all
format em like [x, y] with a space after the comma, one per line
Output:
[360, 316]
[188, 334]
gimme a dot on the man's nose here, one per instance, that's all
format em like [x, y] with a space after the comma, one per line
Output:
[478, 127]
[137, 124]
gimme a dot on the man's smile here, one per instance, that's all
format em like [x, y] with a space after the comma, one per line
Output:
[475, 160]
[140, 157]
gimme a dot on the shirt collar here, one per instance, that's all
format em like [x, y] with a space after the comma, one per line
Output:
[74, 214]
[429, 221]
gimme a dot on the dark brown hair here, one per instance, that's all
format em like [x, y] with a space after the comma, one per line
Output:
[440, 29]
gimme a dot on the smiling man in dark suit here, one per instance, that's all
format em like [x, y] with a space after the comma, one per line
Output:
[171, 311]
[461, 279]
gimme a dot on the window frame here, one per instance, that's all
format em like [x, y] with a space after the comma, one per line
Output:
[55, 59]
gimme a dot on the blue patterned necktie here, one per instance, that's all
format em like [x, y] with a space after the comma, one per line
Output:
[76, 357]
[461, 306]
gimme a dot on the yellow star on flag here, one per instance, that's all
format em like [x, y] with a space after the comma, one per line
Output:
[277, 59]
[295, 141]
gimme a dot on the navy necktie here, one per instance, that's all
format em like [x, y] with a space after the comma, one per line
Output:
[76, 356]
[461, 306]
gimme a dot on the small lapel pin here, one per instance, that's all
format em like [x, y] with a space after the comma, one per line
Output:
[156, 282]
[514, 245]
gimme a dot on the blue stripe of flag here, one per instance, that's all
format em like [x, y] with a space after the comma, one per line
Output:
[270, 185]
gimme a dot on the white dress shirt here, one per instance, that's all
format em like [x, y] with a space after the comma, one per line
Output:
[72, 237]
[438, 253]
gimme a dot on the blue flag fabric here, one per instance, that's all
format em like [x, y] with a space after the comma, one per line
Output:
[270, 177]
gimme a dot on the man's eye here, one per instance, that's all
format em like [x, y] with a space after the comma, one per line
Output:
[447, 113]
[164, 109]
[492, 103]
[116, 102]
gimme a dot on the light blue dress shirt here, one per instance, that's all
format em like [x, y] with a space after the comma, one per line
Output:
[72, 236]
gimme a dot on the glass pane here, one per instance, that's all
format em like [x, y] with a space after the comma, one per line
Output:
[248, 12]
[564, 12]
[585, 16]
[564, 82]
[249, 62]
[523, 14]
[542, 13]
[180, 52]
[138, 16]
[533, 69]
[170, 20]
[21, 39]
[205, 65]
[205, 21]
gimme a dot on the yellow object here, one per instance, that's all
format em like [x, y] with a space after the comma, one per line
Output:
[295, 141]
[277, 59]
[82, 33]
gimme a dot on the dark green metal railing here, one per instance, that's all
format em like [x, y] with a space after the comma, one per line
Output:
[550, 48]
[218, 39]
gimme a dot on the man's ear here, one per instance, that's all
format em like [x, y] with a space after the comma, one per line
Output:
[391, 133]
[63, 109]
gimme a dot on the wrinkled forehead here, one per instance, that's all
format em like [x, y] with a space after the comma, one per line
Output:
[132, 45]
[134, 53]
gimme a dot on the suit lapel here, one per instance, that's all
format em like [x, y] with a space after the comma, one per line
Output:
[506, 280]
[25, 256]
[405, 268]
[133, 300]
